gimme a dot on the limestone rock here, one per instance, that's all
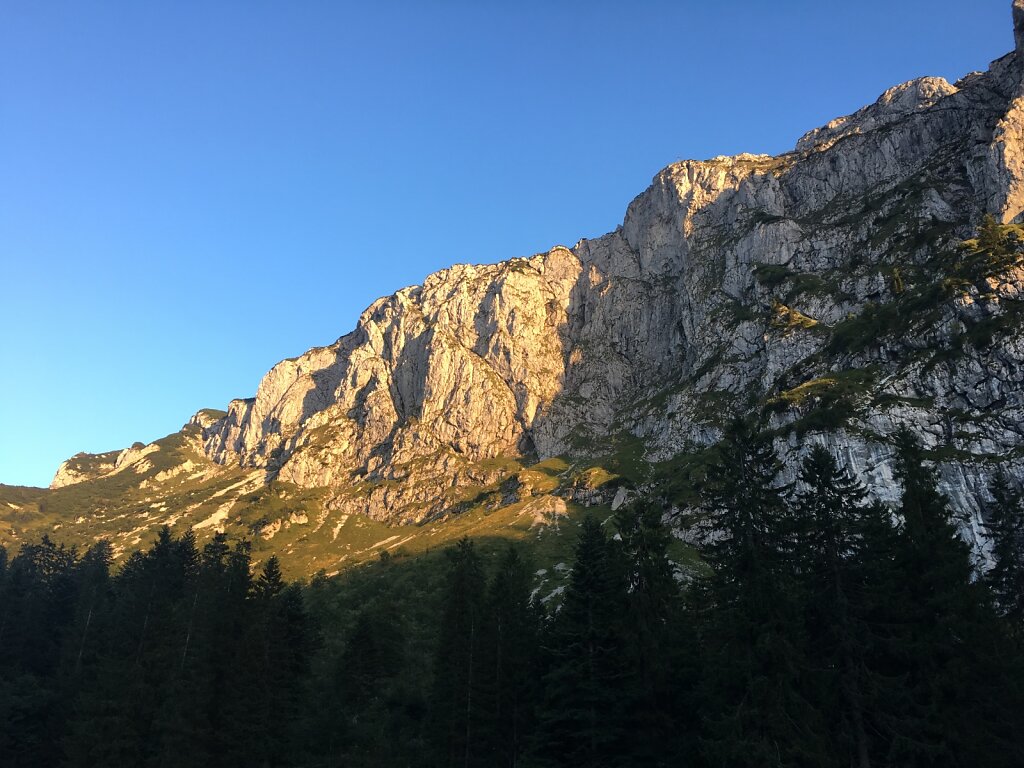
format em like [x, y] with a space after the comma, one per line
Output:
[663, 327]
[1018, 24]
[83, 467]
[731, 284]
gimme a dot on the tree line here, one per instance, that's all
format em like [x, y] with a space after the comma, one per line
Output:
[828, 630]
[183, 658]
[824, 629]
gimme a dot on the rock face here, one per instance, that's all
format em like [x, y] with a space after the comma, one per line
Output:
[792, 284]
[83, 467]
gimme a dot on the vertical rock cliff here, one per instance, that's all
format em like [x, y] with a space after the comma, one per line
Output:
[731, 283]
[828, 289]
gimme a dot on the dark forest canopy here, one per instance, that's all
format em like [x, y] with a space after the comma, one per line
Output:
[826, 630]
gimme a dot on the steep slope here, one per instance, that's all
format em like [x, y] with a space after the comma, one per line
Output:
[728, 283]
[827, 286]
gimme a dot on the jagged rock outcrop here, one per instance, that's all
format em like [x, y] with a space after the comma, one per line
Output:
[718, 291]
[84, 466]
[815, 286]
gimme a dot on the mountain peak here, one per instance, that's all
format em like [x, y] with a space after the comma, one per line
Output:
[895, 104]
[823, 290]
[1018, 24]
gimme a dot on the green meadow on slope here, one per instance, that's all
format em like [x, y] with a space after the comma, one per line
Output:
[178, 487]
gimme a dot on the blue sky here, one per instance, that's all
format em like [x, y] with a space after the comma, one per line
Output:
[192, 191]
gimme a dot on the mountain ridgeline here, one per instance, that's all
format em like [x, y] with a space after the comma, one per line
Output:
[840, 292]
[738, 484]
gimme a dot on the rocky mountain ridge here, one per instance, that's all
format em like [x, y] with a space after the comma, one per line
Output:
[546, 354]
[825, 288]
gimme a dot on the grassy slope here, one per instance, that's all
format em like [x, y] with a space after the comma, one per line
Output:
[178, 486]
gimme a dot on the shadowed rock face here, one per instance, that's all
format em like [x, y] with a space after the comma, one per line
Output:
[730, 285]
[1018, 23]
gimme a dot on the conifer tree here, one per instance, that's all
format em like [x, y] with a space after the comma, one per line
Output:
[652, 605]
[216, 617]
[84, 642]
[232, 659]
[131, 715]
[191, 711]
[841, 544]
[455, 702]
[270, 582]
[754, 690]
[165, 657]
[37, 608]
[366, 714]
[373, 651]
[991, 236]
[93, 576]
[945, 645]
[510, 665]
[1005, 525]
[284, 640]
[582, 719]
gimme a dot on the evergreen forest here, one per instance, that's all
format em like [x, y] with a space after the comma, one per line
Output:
[821, 629]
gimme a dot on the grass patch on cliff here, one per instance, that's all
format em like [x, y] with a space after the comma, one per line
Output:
[789, 319]
[772, 276]
[682, 477]
[982, 333]
[827, 402]
[593, 478]
[916, 307]
[715, 406]
[789, 286]
[503, 465]
[212, 414]
[886, 400]
[623, 455]
[129, 506]
[736, 312]
[921, 291]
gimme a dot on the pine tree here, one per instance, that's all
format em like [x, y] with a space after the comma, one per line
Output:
[991, 236]
[176, 725]
[38, 603]
[652, 605]
[842, 542]
[93, 577]
[191, 721]
[270, 582]
[232, 660]
[509, 664]
[754, 690]
[364, 675]
[283, 639]
[1005, 525]
[455, 702]
[83, 642]
[582, 722]
[131, 714]
[945, 643]
[373, 651]
[215, 614]
[37, 608]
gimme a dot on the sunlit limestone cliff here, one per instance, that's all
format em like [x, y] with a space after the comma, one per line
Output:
[825, 287]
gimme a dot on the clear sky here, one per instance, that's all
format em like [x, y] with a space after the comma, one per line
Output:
[192, 191]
